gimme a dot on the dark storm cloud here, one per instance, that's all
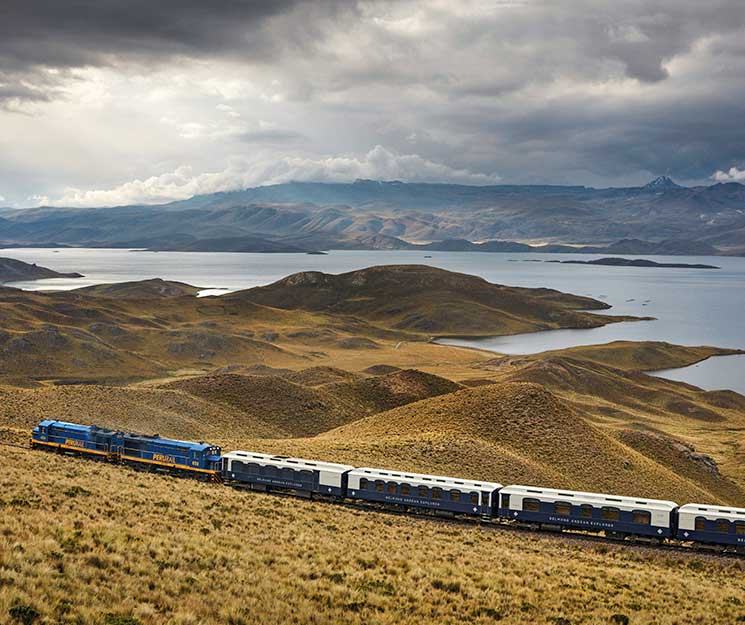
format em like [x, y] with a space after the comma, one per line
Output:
[82, 32]
[41, 35]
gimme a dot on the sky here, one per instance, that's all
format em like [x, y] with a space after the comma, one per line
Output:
[107, 102]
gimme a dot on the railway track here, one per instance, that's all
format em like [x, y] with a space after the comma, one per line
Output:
[568, 534]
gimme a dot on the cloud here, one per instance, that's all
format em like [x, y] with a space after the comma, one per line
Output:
[733, 175]
[271, 135]
[595, 92]
[183, 183]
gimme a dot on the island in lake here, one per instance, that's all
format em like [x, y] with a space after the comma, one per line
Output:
[631, 262]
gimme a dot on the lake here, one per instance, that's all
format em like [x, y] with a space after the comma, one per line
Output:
[692, 306]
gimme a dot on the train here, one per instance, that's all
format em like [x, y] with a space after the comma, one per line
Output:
[616, 517]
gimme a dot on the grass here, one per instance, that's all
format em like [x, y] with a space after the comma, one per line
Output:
[129, 547]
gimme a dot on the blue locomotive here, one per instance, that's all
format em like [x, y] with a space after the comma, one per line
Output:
[127, 447]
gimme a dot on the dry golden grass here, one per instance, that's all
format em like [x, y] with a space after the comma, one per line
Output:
[91, 544]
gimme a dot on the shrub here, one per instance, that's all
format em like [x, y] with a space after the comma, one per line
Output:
[120, 619]
[24, 614]
[446, 586]
[619, 619]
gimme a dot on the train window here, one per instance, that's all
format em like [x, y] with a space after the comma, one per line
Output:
[739, 528]
[505, 500]
[363, 484]
[454, 495]
[562, 508]
[723, 526]
[405, 489]
[531, 505]
[700, 524]
[474, 497]
[379, 486]
[391, 488]
[642, 517]
[436, 493]
[423, 491]
[610, 514]
[585, 511]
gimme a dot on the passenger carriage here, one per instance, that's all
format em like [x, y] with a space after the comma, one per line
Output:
[713, 525]
[616, 516]
[427, 492]
[298, 475]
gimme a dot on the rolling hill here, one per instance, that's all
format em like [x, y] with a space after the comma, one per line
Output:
[430, 301]
[514, 432]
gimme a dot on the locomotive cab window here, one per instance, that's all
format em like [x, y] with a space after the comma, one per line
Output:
[642, 517]
[531, 505]
[610, 514]
[700, 524]
[562, 508]
[722, 526]
[585, 511]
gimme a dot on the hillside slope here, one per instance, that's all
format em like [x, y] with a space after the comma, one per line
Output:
[509, 433]
[297, 409]
[144, 549]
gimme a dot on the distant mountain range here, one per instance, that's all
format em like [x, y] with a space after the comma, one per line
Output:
[660, 217]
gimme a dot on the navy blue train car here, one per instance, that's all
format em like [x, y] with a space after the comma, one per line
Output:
[712, 525]
[266, 472]
[615, 515]
[84, 439]
[426, 492]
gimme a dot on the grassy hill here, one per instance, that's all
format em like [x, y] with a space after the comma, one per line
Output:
[305, 409]
[512, 432]
[141, 289]
[427, 300]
